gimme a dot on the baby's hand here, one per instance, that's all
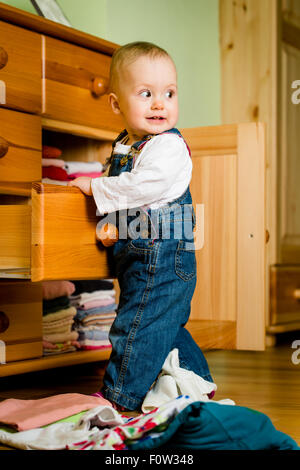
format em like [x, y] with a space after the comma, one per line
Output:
[83, 183]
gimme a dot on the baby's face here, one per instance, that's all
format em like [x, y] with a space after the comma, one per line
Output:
[147, 96]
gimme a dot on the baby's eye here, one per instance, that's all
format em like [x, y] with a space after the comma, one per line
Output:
[169, 94]
[145, 93]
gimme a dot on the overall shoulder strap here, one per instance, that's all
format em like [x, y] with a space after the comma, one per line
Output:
[120, 137]
[140, 144]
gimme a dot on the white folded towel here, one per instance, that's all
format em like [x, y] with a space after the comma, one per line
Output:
[83, 167]
[53, 162]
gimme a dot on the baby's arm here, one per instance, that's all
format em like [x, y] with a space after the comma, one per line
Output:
[83, 183]
[163, 164]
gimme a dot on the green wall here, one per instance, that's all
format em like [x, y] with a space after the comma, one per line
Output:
[92, 20]
[187, 29]
[22, 4]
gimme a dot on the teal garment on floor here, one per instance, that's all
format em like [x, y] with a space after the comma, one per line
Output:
[213, 426]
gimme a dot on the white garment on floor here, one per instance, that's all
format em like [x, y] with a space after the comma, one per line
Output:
[58, 435]
[174, 381]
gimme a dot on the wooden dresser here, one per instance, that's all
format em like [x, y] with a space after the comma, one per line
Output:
[53, 83]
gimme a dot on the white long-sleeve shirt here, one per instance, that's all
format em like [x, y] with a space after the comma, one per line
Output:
[161, 173]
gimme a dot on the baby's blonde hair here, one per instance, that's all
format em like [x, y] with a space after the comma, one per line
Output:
[128, 54]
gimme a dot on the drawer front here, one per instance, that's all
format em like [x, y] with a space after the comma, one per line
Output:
[284, 295]
[75, 82]
[64, 242]
[20, 320]
[20, 147]
[15, 240]
[20, 69]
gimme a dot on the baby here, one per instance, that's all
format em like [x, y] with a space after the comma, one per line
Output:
[149, 173]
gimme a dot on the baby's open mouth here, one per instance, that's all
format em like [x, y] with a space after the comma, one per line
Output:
[159, 118]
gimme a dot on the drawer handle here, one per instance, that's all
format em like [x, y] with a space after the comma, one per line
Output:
[3, 57]
[4, 322]
[108, 234]
[4, 145]
[99, 86]
[297, 294]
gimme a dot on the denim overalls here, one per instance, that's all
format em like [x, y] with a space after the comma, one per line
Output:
[156, 270]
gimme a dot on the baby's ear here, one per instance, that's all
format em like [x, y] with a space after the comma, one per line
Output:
[114, 102]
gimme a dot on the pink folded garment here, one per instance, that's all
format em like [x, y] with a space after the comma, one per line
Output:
[90, 174]
[94, 343]
[88, 348]
[29, 414]
[97, 303]
[53, 161]
[53, 289]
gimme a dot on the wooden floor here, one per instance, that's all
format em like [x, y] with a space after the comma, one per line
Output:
[266, 381]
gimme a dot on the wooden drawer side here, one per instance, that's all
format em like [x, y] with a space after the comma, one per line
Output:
[75, 84]
[15, 240]
[64, 242]
[20, 75]
[20, 147]
[20, 319]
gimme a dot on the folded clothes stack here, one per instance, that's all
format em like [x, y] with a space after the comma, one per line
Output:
[57, 171]
[58, 318]
[95, 302]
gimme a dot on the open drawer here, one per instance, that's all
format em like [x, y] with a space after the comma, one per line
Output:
[63, 244]
[51, 235]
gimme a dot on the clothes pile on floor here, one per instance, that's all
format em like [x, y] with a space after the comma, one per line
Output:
[74, 421]
[58, 171]
[58, 318]
[95, 303]
[177, 424]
